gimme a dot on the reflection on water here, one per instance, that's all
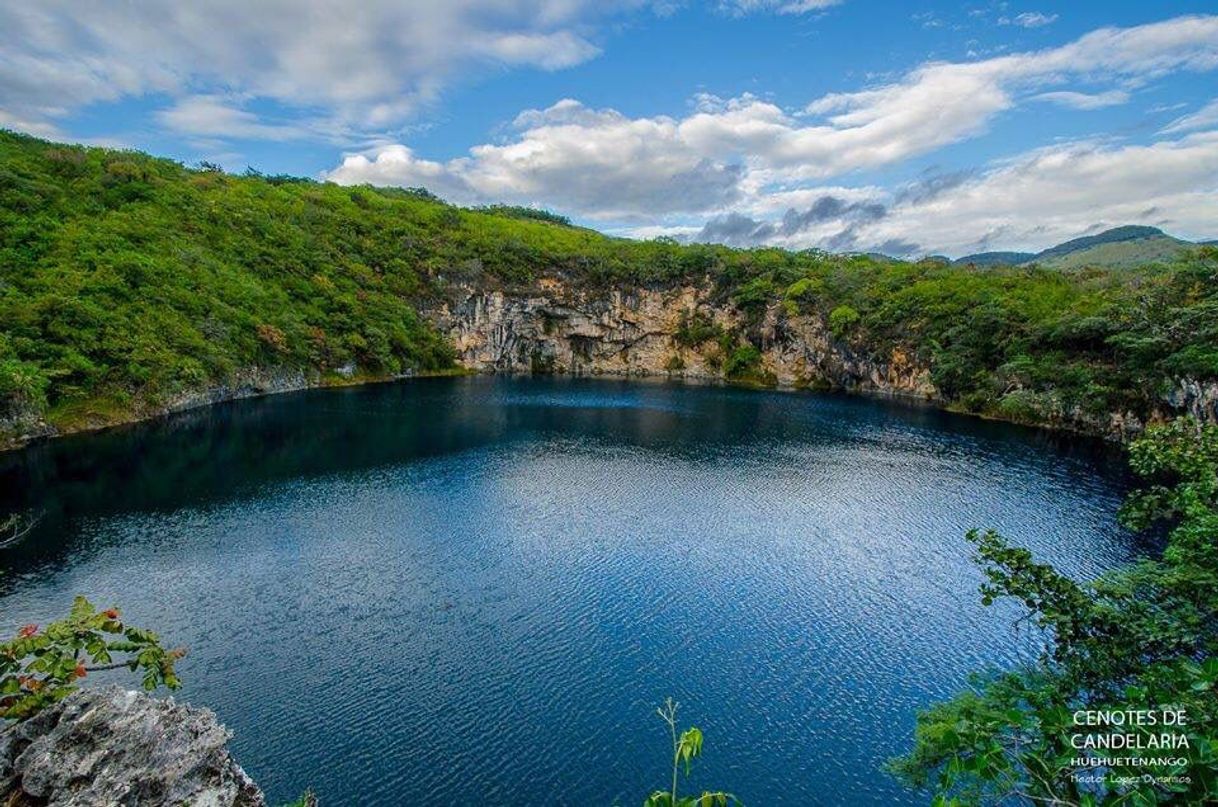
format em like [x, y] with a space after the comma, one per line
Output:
[448, 590]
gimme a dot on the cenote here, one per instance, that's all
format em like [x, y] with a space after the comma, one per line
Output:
[476, 590]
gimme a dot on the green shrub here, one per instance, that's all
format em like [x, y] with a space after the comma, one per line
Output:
[743, 362]
[1143, 638]
[806, 289]
[307, 799]
[22, 386]
[1022, 406]
[842, 320]
[695, 328]
[535, 214]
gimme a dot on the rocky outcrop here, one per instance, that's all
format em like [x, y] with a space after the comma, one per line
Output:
[1184, 396]
[638, 332]
[1195, 398]
[615, 333]
[22, 424]
[113, 747]
[800, 351]
[249, 382]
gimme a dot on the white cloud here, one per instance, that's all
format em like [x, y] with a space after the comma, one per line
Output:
[1055, 193]
[222, 117]
[647, 232]
[39, 128]
[1038, 199]
[777, 202]
[552, 51]
[942, 102]
[398, 165]
[1029, 19]
[1204, 118]
[1082, 100]
[368, 65]
[742, 7]
[598, 162]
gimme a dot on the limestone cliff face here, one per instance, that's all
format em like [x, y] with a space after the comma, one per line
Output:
[801, 351]
[109, 746]
[637, 332]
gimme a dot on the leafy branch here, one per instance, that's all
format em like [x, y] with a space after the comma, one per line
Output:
[40, 667]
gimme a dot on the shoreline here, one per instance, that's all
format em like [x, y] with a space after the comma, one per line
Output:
[204, 398]
[221, 394]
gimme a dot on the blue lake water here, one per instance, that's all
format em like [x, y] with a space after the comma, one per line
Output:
[476, 590]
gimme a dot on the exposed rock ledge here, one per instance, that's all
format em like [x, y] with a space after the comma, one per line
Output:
[558, 329]
[26, 426]
[109, 746]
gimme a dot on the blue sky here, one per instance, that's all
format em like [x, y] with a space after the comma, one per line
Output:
[911, 127]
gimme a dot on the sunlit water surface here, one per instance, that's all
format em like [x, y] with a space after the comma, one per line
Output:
[476, 590]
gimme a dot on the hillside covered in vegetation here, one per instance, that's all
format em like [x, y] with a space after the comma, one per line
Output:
[127, 281]
[1116, 248]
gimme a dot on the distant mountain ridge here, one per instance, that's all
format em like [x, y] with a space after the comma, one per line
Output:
[1118, 247]
[996, 258]
[1129, 232]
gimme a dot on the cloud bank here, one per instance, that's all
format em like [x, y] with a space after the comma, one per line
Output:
[353, 67]
[752, 170]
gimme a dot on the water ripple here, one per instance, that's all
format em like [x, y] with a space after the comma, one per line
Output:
[477, 590]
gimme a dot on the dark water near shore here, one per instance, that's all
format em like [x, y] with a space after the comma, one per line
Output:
[476, 590]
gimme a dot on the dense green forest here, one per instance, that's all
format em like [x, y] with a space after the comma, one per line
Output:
[127, 279]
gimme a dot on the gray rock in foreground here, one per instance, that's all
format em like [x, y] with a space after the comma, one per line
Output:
[110, 746]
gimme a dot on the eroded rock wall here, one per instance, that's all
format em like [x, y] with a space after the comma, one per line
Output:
[557, 329]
